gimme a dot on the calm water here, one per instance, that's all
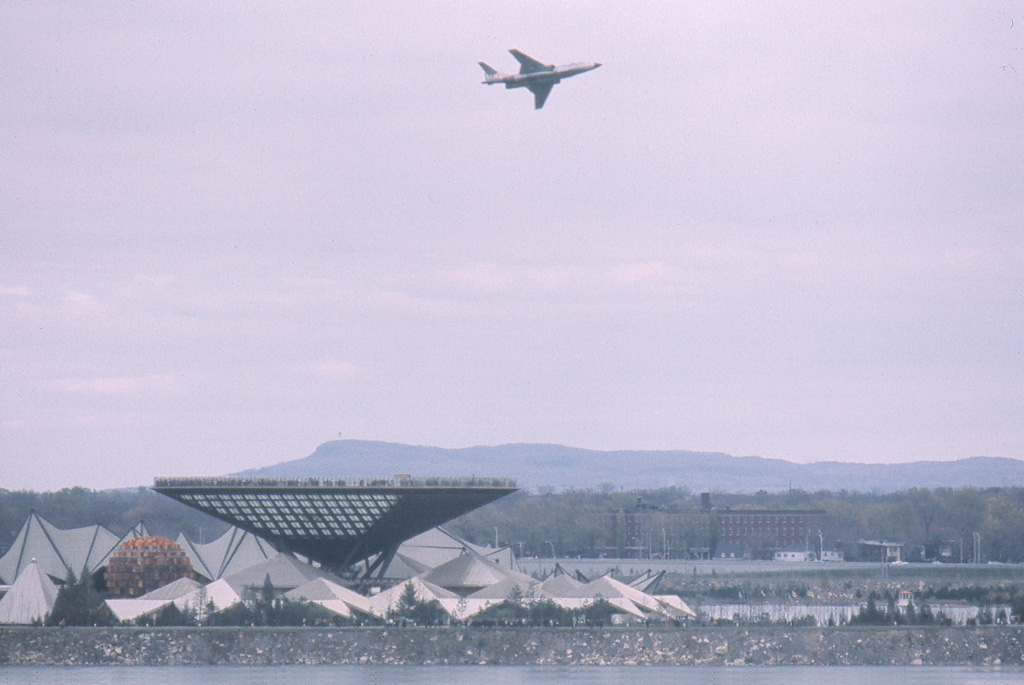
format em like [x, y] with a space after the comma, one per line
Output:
[531, 675]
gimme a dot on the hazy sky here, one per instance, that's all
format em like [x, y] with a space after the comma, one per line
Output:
[231, 232]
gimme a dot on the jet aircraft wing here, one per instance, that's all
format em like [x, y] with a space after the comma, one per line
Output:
[540, 93]
[530, 65]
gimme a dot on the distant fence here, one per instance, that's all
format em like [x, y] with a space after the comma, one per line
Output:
[839, 614]
[395, 482]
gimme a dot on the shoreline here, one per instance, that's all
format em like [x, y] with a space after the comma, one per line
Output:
[815, 646]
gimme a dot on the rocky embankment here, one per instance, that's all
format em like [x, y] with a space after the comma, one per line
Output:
[734, 646]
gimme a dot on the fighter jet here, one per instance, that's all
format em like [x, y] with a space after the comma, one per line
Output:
[540, 78]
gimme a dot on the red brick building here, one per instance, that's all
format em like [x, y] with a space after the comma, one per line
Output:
[646, 532]
[772, 528]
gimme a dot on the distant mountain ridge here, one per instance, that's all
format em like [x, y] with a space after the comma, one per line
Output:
[536, 465]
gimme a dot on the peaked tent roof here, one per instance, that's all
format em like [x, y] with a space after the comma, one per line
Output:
[332, 596]
[615, 591]
[502, 556]
[469, 571]
[624, 605]
[383, 603]
[131, 609]
[61, 552]
[285, 572]
[433, 548]
[503, 589]
[404, 567]
[647, 580]
[627, 606]
[30, 598]
[318, 588]
[173, 590]
[562, 585]
[232, 552]
[438, 546]
[609, 588]
[219, 592]
[674, 602]
[184, 593]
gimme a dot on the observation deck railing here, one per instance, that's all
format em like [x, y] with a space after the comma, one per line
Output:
[314, 482]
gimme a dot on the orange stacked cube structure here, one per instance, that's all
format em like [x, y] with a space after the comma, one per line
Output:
[143, 564]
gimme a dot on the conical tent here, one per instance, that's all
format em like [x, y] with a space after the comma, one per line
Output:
[30, 598]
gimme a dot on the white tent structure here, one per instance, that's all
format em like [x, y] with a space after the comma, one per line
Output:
[384, 603]
[470, 572]
[59, 552]
[629, 599]
[186, 594]
[232, 552]
[173, 590]
[435, 547]
[674, 602]
[499, 592]
[560, 585]
[30, 598]
[331, 596]
[135, 608]
[647, 580]
[285, 571]
[219, 593]
[569, 593]
[608, 588]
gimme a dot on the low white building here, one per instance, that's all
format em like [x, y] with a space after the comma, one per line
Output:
[793, 553]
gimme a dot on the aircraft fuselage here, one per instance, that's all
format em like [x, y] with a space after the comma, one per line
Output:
[534, 75]
[541, 77]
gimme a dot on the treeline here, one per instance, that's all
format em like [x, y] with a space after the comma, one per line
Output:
[912, 615]
[116, 510]
[572, 522]
[931, 523]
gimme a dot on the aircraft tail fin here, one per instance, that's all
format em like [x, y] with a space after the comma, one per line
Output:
[490, 71]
